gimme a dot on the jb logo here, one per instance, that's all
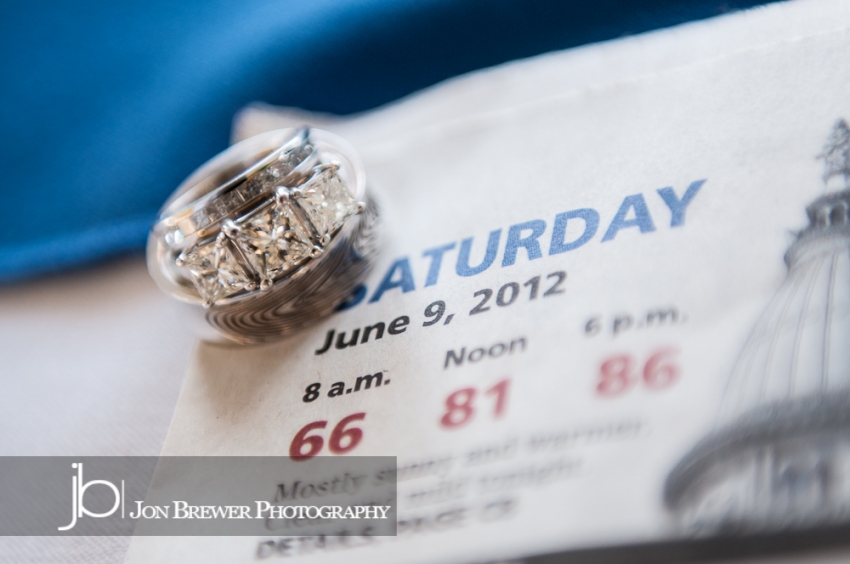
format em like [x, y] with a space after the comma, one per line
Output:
[78, 508]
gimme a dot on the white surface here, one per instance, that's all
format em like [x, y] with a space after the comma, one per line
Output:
[92, 362]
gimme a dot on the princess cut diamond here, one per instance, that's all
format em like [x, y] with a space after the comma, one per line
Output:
[326, 200]
[214, 271]
[273, 241]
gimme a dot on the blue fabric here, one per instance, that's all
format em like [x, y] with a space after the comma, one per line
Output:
[106, 106]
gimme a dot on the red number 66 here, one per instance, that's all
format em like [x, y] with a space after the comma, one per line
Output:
[351, 436]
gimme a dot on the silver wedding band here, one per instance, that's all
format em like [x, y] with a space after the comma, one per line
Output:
[269, 236]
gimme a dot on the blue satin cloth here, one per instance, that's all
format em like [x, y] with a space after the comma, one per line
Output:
[105, 107]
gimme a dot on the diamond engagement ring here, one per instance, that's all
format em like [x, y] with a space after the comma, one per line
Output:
[268, 236]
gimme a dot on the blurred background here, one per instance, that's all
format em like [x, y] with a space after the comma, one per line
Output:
[106, 107]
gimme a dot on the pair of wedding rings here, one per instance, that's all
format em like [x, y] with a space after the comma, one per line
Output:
[269, 236]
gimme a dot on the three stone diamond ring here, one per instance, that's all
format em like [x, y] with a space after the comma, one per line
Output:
[270, 235]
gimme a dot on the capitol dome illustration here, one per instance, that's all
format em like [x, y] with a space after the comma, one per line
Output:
[779, 455]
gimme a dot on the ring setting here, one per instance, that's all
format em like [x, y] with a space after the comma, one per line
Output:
[269, 234]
